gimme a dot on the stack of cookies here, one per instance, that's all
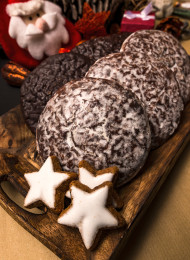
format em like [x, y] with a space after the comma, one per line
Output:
[128, 102]
[59, 69]
[96, 120]
[101, 109]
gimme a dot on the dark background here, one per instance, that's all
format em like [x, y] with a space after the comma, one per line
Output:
[9, 95]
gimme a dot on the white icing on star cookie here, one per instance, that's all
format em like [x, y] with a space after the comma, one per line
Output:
[92, 181]
[89, 220]
[92, 178]
[44, 183]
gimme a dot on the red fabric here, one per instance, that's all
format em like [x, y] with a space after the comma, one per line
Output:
[74, 35]
[19, 55]
[17, 1]
[133, 25]
[10, 47]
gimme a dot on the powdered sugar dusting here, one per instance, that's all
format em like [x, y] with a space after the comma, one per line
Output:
[146, 45]
[98, 121]
[154, 84]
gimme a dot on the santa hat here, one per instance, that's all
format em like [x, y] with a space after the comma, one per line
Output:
[23, 7]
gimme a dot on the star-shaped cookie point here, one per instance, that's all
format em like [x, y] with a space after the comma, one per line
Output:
[44, 183]
[89, 211]
[92, 178]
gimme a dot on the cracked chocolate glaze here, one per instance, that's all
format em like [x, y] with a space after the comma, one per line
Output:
[154, 84]
[46, 79]
[95, 120]
[101, 46]
[155, 45]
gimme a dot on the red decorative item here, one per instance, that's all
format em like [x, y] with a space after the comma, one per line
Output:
[137, 23]
[74, 35]
[133, 21]
[10, 47]
[92, 24]
[17, 1]
[13, 51]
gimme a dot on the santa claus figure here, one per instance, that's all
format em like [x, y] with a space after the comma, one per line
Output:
[34, 29]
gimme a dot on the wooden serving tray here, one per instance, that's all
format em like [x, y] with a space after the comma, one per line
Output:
[18, 155]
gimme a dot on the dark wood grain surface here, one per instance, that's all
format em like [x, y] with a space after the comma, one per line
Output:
[17, 149]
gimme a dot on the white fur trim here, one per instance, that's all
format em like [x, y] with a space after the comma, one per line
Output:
[27, 8]
[50, 7]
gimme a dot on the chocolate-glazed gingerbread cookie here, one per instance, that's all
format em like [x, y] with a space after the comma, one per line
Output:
[154, 84]
[101, 46]
[48, 77]
[96, 120]
[159, 45]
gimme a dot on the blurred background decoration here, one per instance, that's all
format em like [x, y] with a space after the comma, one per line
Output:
[94, 18]
[73, 9]
[171, 12]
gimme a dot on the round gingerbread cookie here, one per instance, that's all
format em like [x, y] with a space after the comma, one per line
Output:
[101, 46]
[183, 81]
[159, 45]
[95, 120]
[154, 84]
[48, 77]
